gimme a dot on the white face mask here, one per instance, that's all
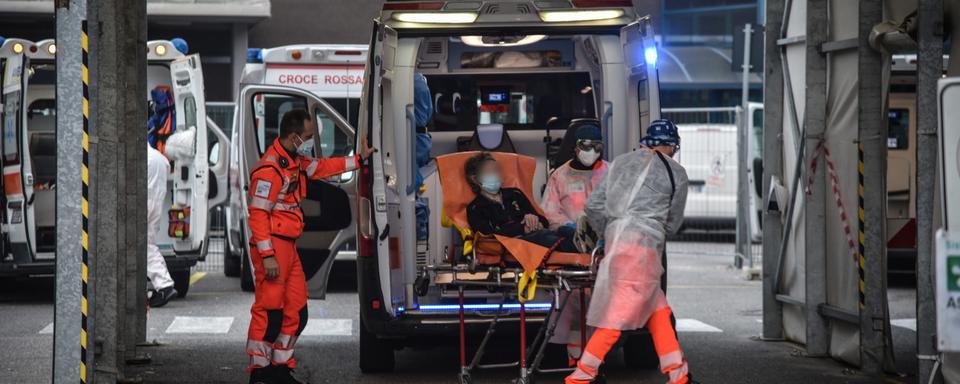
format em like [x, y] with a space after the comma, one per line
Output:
[306, 147]
[588, 157]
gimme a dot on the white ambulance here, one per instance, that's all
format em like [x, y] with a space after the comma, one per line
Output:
[333, 73]
[29, 161]
[504, 67]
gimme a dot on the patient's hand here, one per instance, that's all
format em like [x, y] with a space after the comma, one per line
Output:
[531, 223]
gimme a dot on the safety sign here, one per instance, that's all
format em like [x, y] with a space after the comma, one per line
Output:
[948, 291]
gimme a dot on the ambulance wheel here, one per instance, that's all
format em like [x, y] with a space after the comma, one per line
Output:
[376, 355]
[246, 273]
[638, 352]
[231, 263]
[181, 281]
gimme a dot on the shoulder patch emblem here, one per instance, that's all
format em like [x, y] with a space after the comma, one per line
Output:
[263, 189]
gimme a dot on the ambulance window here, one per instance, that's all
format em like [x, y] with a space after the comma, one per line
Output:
[11, 152]
[190, 111]
[268, 109]
[333, 141]
[899, 134]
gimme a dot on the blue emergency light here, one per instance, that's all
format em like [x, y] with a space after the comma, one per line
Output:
[255, 55]
[1, 41]
[650, 54]
[180, 45]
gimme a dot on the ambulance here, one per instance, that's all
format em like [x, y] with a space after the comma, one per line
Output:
[507, 68]
[29, 161]
[332, 73]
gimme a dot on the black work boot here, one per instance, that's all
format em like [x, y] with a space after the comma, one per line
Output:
[162, 296]
[285, 375]
[262, 375]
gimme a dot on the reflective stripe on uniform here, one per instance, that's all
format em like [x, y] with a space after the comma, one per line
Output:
[285, 207]
[261, 203]
[265, 245]
[351, 162]
[314, 163]
[260, 353]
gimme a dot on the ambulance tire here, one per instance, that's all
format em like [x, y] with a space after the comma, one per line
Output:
[181, 281]
[638, 352]
[231, 263]
[246, 273]
[376, 355]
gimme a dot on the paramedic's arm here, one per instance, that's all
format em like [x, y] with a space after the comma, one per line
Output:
[265, 185]
[595, 206]
[318, 169]
[675, 216]
[551, 203]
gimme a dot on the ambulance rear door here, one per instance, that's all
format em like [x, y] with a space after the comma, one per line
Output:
[17, 178]
[643, 92]
[328, 210]
[189, 216]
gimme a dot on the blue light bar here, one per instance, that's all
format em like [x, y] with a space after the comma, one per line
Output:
[482, 307]
[650, 54]
[180, 45]
[255, 55]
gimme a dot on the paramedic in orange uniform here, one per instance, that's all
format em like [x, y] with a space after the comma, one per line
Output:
[277, 187]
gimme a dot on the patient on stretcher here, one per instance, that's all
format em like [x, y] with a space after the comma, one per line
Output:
[507, 211]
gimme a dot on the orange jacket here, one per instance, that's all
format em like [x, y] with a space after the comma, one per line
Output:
[276, 192]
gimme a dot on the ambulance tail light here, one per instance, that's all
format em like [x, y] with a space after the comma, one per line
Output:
[255, 55]
[365, 241]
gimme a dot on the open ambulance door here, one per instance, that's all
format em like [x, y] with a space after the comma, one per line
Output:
[189, 214]
[219, 165]
[17, 176]
[643, 93]
[328, 209]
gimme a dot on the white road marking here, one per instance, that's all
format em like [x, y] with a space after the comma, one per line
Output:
[197, 324]
[910, 324]
[694, 325]
[328, 327]
[48, 330]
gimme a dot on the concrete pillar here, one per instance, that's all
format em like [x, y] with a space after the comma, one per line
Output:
[66, 356]
[871, 215]
[238, 56]
[118, 34]
[929, 70]
[814, 120]
[772, 167]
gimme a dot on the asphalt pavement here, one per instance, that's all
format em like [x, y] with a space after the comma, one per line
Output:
[200, 339]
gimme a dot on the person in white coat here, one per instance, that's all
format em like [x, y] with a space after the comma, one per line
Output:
[158, 168]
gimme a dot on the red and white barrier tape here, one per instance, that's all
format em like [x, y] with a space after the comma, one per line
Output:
[835, 185]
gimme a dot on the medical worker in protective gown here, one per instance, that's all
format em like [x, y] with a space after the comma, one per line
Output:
[563, 202]
[636, 204]
[158, 167]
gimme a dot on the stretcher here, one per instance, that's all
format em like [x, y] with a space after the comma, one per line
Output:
[512, 267]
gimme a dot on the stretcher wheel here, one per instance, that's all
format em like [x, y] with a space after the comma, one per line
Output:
[464, 378]
[524, 380]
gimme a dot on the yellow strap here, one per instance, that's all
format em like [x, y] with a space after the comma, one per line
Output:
[528, 283]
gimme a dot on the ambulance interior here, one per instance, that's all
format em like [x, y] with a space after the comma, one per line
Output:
[498, 93]
[41, 122]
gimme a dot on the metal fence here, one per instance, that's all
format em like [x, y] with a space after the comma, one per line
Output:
[710, 153]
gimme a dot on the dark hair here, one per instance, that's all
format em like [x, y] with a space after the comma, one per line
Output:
[292, 122]
[472, 167]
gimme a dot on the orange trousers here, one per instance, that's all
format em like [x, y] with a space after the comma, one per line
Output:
[279, 311]
[664, 341]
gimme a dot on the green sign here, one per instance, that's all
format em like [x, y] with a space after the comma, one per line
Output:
[953, 273]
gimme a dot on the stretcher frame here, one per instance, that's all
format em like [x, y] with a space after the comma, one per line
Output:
[552, 278]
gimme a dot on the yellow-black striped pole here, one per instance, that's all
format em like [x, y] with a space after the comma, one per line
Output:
[861, 262]
[85, 194]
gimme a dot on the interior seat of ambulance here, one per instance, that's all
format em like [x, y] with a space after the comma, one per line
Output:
[482, 103]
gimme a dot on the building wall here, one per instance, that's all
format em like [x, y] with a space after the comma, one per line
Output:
[316, 21]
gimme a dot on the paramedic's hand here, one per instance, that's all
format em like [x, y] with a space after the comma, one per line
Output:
[365, 149]
[531, 223]
[271, 268]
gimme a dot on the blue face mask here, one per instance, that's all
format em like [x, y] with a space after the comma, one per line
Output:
[306, 147]
[490, 183]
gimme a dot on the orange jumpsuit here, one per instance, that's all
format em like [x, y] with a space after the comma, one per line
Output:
[279, 311]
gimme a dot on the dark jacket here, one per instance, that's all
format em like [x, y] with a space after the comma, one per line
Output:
[489, 217]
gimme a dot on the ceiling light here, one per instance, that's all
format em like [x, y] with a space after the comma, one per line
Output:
[436, 17]
[580, 15]
[495, 41]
